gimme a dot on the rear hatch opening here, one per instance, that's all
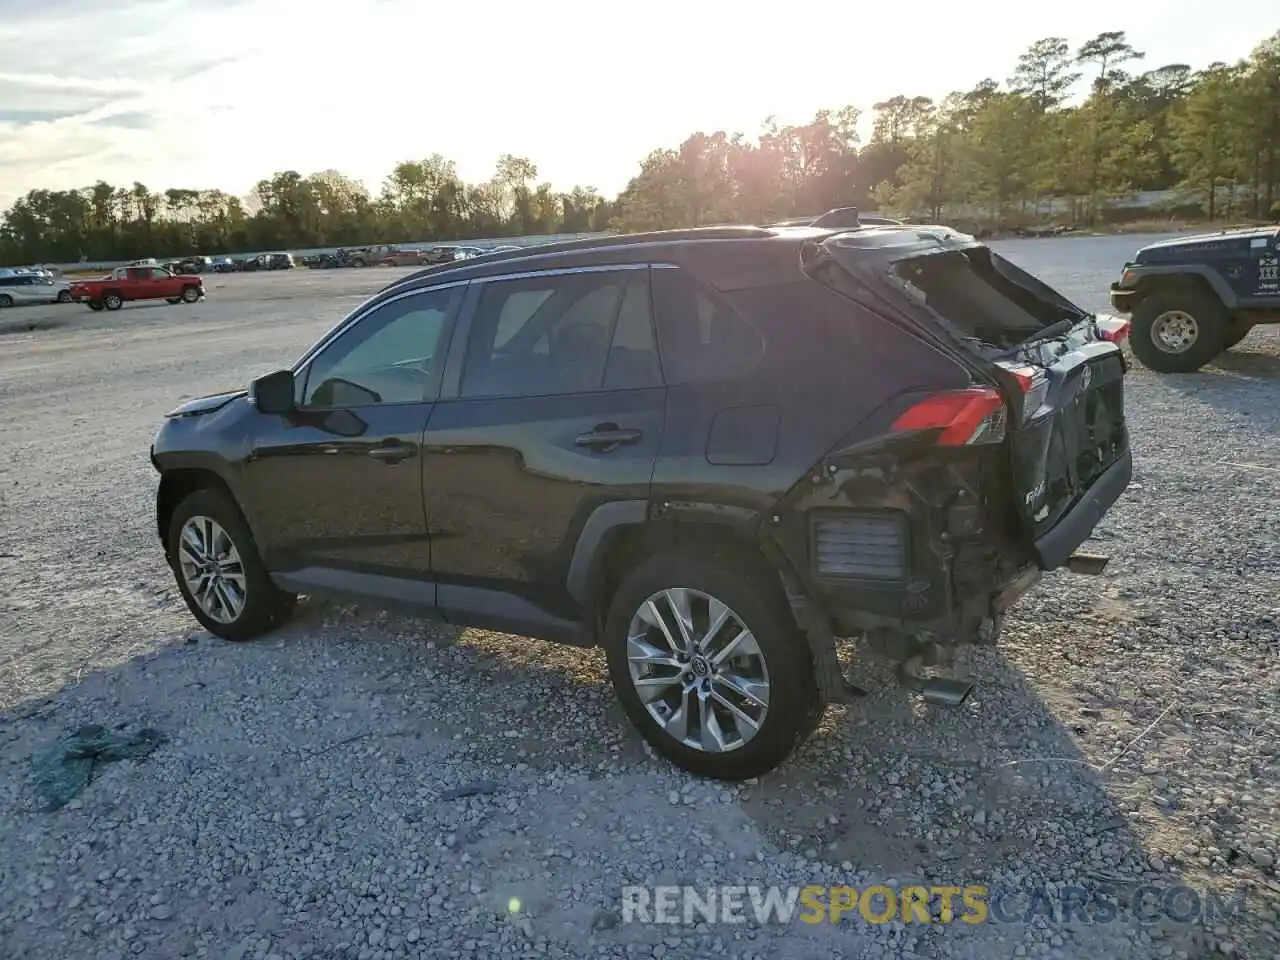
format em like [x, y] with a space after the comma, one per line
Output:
[1047, 376]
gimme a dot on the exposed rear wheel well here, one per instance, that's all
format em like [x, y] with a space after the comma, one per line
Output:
[629, 545]
[176, 486]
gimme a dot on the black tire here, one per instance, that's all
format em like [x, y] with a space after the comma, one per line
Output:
[5, 300]
[794, 704]
[112, 301]
[94, 305]
[190, 294]
[1237, 330]
[265, 606]
[1154, 312]
[64, 296]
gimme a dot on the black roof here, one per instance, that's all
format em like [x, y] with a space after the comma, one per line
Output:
[735, 253]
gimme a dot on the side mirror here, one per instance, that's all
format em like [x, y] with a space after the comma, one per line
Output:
[274, 392]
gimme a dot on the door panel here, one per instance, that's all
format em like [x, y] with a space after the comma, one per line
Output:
[343, 488]
[509, 486]
[560, 410]
[338, 483]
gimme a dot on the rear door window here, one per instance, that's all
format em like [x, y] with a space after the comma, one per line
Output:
[701, 338]
[556, 334]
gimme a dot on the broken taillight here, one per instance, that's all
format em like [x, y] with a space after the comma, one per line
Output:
[1113, 329]
[961, 417]
[1034, 384]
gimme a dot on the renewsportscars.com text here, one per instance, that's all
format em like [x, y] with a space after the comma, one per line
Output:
[938, 903]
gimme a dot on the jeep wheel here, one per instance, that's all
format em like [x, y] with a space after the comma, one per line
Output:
[709, 665]
[64, 296]
[6, 300]
[1237, 330]
[190, 294]
[1178, 331]
[218, 570]
[113, 301]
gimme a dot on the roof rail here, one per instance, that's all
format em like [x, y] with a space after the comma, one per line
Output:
[595, 243]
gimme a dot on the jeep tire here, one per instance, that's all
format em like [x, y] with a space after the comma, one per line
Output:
[1237, 330]
[746, 696]
[1179, 330]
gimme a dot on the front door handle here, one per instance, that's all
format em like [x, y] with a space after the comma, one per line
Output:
[606, 436]
[392, 452]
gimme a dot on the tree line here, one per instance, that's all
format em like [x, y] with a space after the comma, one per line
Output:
[1005, 154]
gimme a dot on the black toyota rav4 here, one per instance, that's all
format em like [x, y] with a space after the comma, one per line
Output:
[708, 451]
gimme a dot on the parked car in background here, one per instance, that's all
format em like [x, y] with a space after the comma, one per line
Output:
[707, 451]
[124, 284]
[224, 265]
[393, 256]
[441, 254]
[278, 261]
[20, 288]
[198, 264]
[1192, 298]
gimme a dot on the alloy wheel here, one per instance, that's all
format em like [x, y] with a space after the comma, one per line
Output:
[212, 569]
[698, 670]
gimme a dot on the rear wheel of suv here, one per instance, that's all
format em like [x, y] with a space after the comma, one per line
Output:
[6, 300]
[1179, 331]
[221, 577]
[64, 296]
[709, 665]
[113, 301]
[190, 294]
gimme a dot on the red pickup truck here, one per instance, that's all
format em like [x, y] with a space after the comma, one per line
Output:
[137, 283]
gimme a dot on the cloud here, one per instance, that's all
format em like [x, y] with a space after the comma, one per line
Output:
[129, 120]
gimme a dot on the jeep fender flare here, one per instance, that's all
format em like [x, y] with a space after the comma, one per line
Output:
[1173, 270]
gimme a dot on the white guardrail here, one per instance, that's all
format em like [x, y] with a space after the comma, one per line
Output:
[312, 251]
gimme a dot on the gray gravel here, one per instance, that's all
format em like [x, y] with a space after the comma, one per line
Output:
[360, 785]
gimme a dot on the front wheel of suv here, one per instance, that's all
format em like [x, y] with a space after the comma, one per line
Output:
[1179, 331]
[710, 666]
[218, 569]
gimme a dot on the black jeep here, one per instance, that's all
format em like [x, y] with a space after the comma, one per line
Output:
[1191, 298]
[707, 451]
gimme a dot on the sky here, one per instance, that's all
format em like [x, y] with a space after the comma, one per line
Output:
[201, 94]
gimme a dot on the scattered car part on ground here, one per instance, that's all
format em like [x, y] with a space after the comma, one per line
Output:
[566, 458]
[125, 284]
[65, 769]
[1191, 298]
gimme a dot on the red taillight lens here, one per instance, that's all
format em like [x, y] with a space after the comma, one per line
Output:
[962, 417]
[1114, 329]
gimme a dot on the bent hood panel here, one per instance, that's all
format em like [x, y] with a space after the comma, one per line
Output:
[206, 404]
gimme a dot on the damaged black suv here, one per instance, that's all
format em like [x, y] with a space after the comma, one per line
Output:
[709, 452]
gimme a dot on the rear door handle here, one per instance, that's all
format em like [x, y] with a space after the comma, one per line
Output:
[606, 436]
[392, 452]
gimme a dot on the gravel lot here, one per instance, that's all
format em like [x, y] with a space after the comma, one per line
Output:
[301, 805]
